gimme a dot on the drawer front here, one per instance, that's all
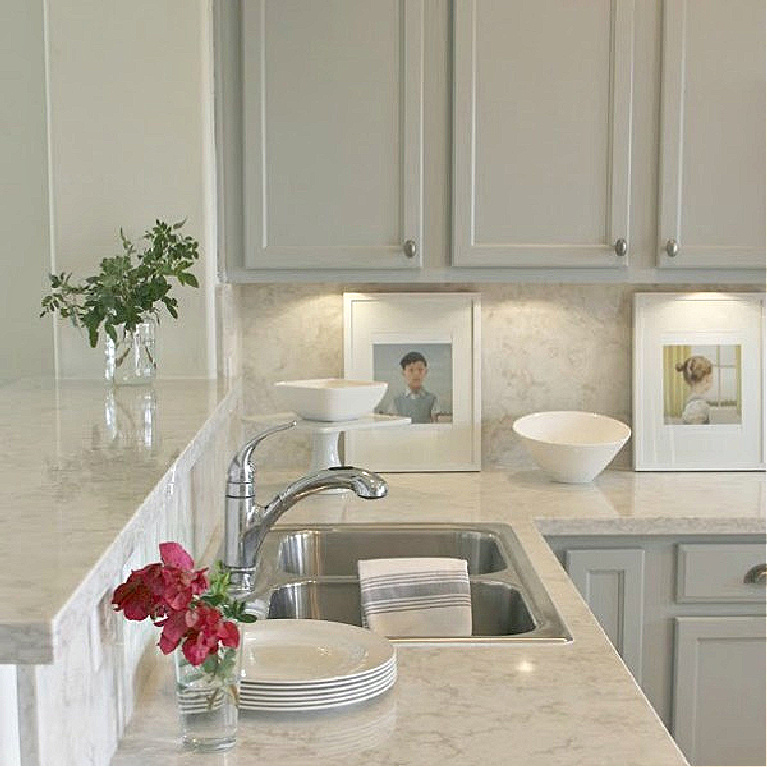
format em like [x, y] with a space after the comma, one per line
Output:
[714, 572]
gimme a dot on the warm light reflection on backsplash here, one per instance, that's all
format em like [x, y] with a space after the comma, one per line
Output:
[544, 347]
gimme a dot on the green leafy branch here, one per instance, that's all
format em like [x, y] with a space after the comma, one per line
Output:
[125, 293]
[218, 596]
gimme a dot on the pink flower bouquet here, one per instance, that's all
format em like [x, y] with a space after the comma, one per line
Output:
[191, 609]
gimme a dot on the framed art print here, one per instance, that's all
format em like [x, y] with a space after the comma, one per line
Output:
[426, 347]
[698, 381]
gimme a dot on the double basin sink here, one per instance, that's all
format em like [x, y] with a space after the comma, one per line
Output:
[311, 572]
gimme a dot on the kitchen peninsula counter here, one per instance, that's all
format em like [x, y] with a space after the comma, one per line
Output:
[526, 703]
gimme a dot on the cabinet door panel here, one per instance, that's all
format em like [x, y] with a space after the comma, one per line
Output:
[332, 110]
[541, 132]
[712, 191]
[611, 582]
[719, 690]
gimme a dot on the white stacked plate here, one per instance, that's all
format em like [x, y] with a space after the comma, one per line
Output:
[303, 665]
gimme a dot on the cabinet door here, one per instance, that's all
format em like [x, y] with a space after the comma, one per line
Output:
[719, 690]
[611, 582]
[542, 132]
[711, 192]
[332, 139]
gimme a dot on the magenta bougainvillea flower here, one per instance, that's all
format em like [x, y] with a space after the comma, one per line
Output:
[177, 598]
[207, 630]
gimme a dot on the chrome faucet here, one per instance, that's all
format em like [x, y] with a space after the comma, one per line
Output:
[246, 522]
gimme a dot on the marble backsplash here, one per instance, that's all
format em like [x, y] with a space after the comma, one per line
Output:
[544, 347]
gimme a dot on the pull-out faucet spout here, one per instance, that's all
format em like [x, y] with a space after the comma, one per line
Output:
[366, 484]
[246, 523]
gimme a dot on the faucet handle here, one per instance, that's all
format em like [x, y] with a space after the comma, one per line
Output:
[240, 469]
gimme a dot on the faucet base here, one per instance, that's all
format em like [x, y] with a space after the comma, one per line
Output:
[242, 581]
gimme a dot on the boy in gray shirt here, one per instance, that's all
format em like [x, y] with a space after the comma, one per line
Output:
[416, 402]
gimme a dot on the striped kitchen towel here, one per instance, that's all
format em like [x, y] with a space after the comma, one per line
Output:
[415, 597]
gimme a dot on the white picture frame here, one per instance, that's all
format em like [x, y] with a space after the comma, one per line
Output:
[699, 382]
[380, 329]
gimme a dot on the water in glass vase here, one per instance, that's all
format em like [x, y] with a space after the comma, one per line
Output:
[207, 701]
[131, 360]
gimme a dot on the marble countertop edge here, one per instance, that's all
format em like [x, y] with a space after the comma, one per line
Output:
[38, 641]
[652, 526]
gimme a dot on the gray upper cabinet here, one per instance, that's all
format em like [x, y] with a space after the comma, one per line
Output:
[332, 133]
[542, 132]
[711, 195]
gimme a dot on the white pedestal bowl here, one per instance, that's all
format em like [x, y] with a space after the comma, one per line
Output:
[330, 399]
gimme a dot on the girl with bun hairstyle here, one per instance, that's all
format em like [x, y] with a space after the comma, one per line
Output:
[698, 373]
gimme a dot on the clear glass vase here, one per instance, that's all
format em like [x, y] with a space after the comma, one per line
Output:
[207, 700]
[131, 360]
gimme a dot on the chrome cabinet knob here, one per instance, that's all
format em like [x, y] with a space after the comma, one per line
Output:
[411, 248]
[621, 247]
[672, 248]
[757, 574]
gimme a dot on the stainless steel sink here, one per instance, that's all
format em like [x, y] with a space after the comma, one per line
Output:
[497, 609]
[311, 572]
[336, 552]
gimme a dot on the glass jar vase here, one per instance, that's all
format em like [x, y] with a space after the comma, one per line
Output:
[131, 360]
[207, 697]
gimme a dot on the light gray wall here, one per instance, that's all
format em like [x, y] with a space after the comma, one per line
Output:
[128, 100]
[26, 342]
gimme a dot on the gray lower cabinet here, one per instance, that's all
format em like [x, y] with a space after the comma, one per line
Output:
[719, 689]
[687, 615]
[611, 583]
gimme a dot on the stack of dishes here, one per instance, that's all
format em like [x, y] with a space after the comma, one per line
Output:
[303, 665]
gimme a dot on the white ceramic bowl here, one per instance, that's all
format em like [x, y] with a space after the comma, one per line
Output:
[330, 399]
[571, 446]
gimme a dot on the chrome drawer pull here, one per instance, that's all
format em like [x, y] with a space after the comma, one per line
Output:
[757, 574]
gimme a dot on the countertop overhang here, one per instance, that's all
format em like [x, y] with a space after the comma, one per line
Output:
[79, 463]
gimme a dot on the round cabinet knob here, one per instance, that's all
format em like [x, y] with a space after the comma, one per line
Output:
[621, 247]
[757, 574]
[672, 248]
[411, 248]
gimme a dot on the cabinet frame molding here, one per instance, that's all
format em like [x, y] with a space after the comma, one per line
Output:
[259, 253]
[466, 251]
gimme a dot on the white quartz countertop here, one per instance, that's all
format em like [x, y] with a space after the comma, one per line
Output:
[512, 704]
[72, 486]
[77, 460]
